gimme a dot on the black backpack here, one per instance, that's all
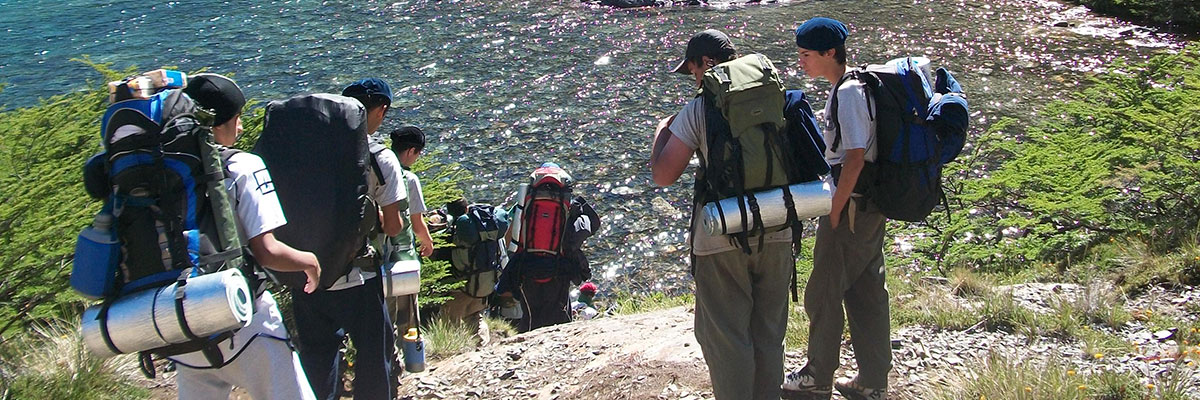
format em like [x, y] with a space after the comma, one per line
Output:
[917, 132]
[315, 146]
[478, 250]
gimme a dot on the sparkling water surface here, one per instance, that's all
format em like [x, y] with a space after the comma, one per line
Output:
[504, 86]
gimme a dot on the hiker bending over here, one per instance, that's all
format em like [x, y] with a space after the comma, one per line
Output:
[260, 358]
[476, 230]
[549, 228]
[750, 136]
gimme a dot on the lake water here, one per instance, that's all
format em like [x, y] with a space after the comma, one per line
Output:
[504, 86]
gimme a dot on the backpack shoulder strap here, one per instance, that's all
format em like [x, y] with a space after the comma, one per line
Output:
[375, 148]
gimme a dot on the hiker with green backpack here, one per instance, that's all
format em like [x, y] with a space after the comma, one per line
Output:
[477, 231]
[751, 136]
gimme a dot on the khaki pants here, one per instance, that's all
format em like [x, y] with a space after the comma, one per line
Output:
[741, 316]
[848, 269]
[469, 310]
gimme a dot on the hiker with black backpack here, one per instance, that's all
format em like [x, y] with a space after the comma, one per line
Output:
[548, 228]
[888, 131]
[477, 231]
[352, 302]
[261, 359]
[758, 180]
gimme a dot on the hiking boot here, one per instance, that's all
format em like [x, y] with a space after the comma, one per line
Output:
[853, 391]
[801, 385]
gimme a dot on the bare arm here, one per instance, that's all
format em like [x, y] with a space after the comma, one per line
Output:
[852, 165]
[278, 256]
[392, 223]
[422, 231]
[669, 157]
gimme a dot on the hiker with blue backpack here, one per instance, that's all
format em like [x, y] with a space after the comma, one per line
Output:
[888, 130]
[177, 253]
[759, 178]
[263, 362]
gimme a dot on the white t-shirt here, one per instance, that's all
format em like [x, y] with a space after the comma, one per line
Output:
[416, 200]
[858, 128]
[385, 193]
[253, 193]
[689, 127]
[392, 189]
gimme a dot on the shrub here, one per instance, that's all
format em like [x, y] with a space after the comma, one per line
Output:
[1117, 160]
[51, 362]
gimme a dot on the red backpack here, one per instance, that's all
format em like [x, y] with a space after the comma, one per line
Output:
[546, 205]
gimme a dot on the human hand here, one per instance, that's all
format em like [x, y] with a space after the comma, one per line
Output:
[834, 219]
[312, 272]
[426, 249]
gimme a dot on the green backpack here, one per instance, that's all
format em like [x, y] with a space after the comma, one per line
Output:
[748, 145]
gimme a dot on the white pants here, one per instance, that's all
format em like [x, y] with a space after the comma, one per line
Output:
[268, 369]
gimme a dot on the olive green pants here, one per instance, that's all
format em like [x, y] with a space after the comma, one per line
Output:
[741, 316]
[848, 270]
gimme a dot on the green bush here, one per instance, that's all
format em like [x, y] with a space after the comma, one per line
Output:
[51, 362]
[42, 202]
[1119, 159]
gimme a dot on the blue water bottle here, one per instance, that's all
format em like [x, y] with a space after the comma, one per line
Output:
[414, 351]
[97, 254]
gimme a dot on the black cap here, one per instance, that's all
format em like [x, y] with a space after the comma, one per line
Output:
[709, 42]
[217, 93]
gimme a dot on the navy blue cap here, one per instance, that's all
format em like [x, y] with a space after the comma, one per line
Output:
[709, 42]
[369, 87]
[820, 34]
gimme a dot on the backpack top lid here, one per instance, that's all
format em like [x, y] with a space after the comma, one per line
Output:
[748, 92]
[550, 173]
[323, 201]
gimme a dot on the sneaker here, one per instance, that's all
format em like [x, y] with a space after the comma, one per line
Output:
[853, 391]
[801, 385]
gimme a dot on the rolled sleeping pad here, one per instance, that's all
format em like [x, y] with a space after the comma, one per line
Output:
[401, 278]
[810, 199]
[147, 320]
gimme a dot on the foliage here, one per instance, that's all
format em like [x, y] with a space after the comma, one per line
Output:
[1119, 160]
[444, 338]
[53, 363]
[42, 201]
[626, 303]
[1000, 376]
[1182, 14]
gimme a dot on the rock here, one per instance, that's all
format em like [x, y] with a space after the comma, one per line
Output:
[508, 374]
[1164, 334]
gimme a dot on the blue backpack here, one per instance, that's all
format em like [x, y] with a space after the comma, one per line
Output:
[919, 127]
[160, 178]
[166, 215]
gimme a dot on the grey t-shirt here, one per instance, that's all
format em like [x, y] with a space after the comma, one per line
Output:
[858, 128]
[689, 128]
